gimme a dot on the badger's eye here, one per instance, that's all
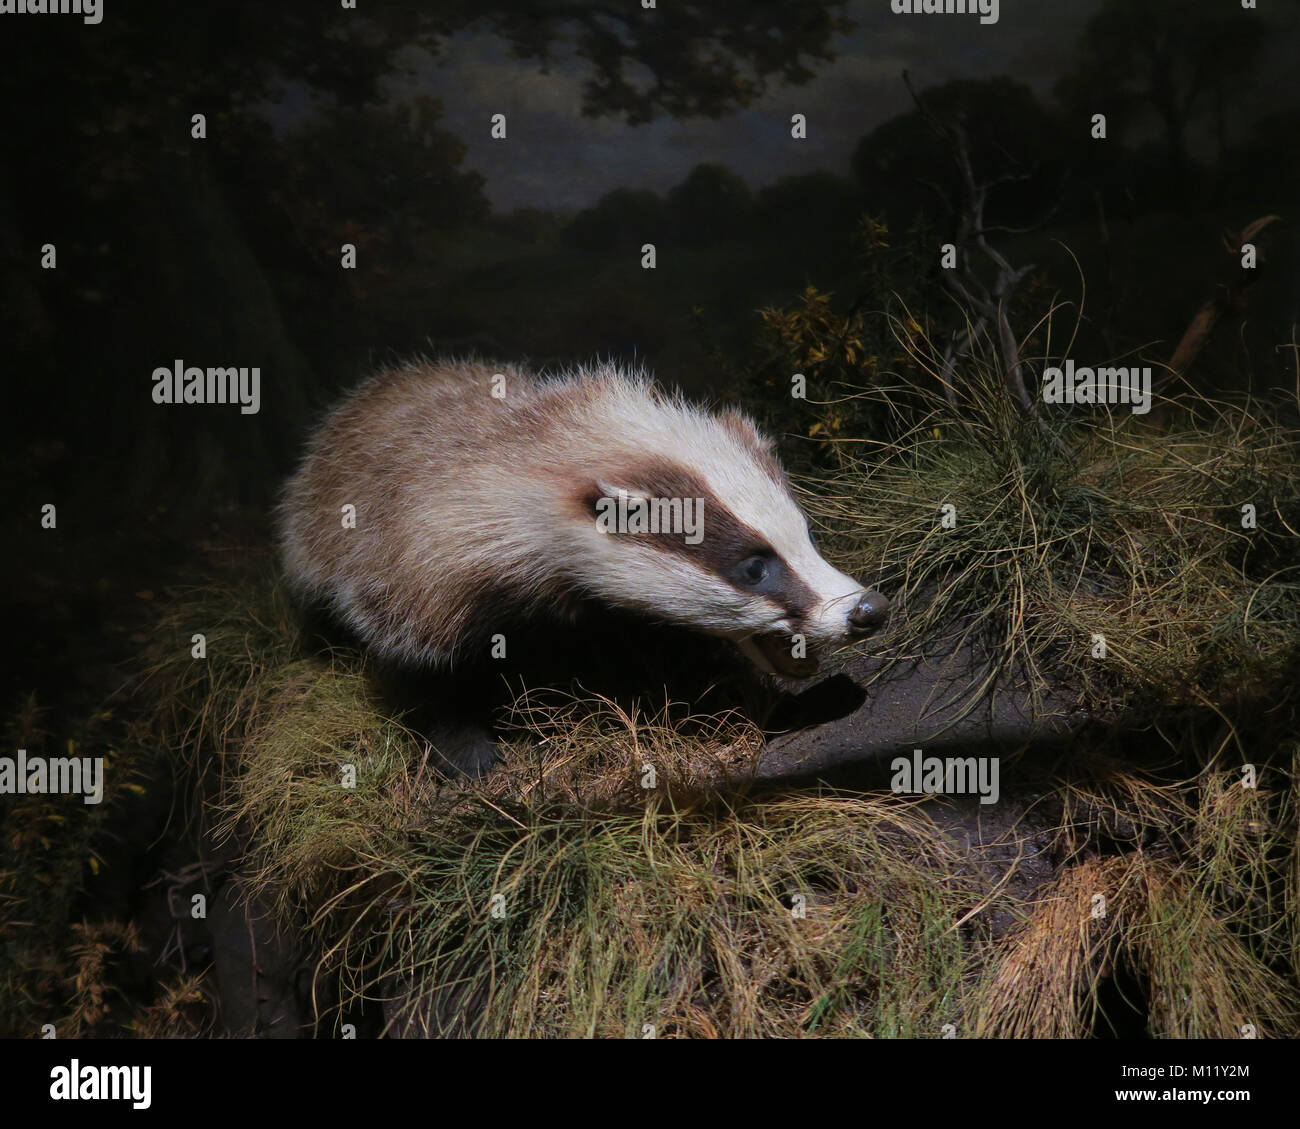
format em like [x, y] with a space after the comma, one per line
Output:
[754, 569]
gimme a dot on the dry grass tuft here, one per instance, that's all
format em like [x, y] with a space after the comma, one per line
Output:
[1077, 525]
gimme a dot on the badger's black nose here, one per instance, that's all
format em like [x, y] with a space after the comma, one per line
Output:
[869, 612]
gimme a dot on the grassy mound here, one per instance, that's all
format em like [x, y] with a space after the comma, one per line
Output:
[620, 875]
[599, 882]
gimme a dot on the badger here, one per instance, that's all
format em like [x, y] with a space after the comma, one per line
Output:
[441, 501]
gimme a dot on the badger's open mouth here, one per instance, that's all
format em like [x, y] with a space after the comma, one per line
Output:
[774, 652]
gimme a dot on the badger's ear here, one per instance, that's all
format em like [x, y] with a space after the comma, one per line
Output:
[742, 427]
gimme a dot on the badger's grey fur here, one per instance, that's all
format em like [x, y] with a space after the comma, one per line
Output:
[477, 490]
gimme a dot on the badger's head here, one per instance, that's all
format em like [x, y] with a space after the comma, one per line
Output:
[694, 522]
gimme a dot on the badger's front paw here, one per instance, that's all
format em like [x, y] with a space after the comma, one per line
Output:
[465, 749]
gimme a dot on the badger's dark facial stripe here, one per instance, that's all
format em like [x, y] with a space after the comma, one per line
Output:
[729, 548]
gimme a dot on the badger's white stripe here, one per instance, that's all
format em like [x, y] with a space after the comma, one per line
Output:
[682, 434]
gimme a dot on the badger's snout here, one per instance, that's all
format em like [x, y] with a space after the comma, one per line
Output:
[868, 613]
[772, 651]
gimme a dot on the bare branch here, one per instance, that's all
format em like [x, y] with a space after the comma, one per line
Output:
[1229, 296]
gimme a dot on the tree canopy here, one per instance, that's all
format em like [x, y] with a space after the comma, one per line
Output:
[1178, 59]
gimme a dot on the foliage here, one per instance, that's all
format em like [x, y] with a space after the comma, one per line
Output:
[1180, 59]
[906, 169]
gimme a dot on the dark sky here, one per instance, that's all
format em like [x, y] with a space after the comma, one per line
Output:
[556, 158]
